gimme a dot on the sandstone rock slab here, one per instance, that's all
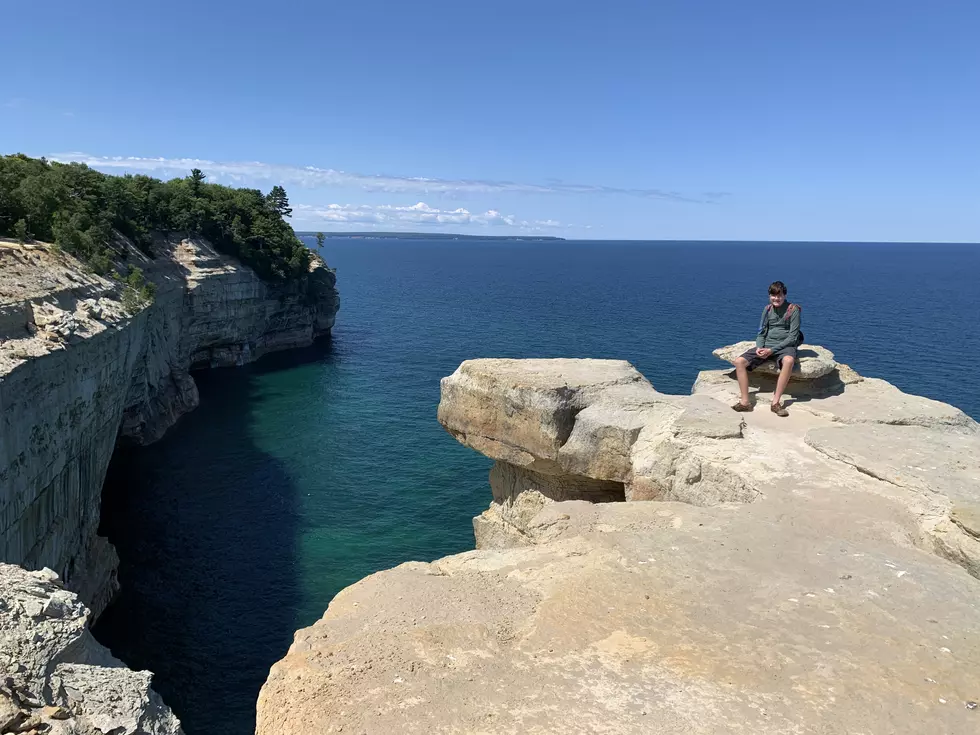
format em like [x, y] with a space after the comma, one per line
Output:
[914, 457]
[876, 401]
[648, 618]
[813, 361]
[520, 411]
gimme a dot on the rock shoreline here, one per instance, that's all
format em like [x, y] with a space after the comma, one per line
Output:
[817, 573]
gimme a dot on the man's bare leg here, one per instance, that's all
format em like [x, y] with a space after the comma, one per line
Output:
[784, 375]
[743, 379]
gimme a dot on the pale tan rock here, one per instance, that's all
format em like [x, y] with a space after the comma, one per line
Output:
[813, 361]
[966, 515]
[57, 673]
[522, 411]
[507, 481]
[810, 558]
[633, 622]
[875, 401]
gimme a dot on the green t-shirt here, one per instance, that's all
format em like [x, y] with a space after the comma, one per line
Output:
[775, 330]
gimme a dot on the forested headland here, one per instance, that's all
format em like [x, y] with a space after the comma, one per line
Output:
[80, 210]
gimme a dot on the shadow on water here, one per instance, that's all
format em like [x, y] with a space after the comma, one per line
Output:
[207, 514]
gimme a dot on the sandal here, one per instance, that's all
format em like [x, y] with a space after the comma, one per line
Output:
[779, 409]
[742, 407]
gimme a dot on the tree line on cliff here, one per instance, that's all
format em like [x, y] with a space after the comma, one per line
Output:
[80, 209]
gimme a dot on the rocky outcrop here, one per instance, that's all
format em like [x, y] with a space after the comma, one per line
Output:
[813, 361]
[78, 372]
[803, 574]
[58, 680]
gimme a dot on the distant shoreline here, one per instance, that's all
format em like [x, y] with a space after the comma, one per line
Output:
[543, 238]
[427, 236]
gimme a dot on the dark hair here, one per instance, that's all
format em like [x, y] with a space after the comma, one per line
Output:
[777, 287]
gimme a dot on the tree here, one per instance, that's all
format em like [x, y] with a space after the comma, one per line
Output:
[196, 179]
[82, 210]
[320, 237]
[20, 231]
[279, 201]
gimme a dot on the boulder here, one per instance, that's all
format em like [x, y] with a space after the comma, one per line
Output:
[571, 429]
[58, 678]
[522, 411]
[813, 361]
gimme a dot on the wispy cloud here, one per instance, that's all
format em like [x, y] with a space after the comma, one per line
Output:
[15, 103]
[313, 177]
[394, 216]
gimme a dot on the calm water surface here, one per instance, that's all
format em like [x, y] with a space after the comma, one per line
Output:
[303, 473]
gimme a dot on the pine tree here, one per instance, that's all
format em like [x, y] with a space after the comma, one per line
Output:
[279, 201]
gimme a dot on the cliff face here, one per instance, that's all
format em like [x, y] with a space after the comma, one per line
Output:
[816, 573]
[77, 373]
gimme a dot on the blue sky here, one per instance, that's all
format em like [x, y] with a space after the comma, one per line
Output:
[713, 119]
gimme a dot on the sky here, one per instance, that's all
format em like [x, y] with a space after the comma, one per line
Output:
[844, 120]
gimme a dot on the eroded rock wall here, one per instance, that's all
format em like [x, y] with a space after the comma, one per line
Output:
[77, 372]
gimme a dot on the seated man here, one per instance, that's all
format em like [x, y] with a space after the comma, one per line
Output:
[779, 334]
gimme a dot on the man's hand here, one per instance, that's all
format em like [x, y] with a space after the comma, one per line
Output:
[763, 352]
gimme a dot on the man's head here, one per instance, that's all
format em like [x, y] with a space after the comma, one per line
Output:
[777, 293]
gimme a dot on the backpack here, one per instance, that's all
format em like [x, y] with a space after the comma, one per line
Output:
[789, 313]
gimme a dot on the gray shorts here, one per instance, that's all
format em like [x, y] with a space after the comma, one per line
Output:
[754, 360]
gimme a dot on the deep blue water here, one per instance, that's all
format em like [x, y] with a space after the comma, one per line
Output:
[303, 473]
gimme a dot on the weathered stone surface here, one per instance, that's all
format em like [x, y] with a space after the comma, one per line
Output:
[813, 361]
[910, 456]
[827, 604]
[508, 481]
[58, 679]
[643, 617]
[577, 419]
[522, 411]
[875, 401]
[77, 371]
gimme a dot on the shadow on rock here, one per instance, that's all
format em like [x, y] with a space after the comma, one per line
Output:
[206, 523]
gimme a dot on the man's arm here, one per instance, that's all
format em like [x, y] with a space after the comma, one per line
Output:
[760, 337]
[794, 331]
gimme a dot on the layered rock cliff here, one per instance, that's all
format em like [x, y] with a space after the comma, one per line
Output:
[78, 373]
[811, 574]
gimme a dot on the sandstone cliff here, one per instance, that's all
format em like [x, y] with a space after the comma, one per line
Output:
[78, 372]
[814, 574]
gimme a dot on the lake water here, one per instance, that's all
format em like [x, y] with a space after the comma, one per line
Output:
[304, 472]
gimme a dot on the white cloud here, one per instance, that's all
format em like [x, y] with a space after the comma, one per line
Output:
[396, 217]
[312, 177]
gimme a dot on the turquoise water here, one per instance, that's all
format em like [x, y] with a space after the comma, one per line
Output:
[307, 471]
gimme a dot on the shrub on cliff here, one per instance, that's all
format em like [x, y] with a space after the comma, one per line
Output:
[79, 209]
[138, 292]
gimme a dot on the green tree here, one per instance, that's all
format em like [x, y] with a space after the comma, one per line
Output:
[320, 237]
[196, 179]
[279, 201]
[83, 211]
[20, 231]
